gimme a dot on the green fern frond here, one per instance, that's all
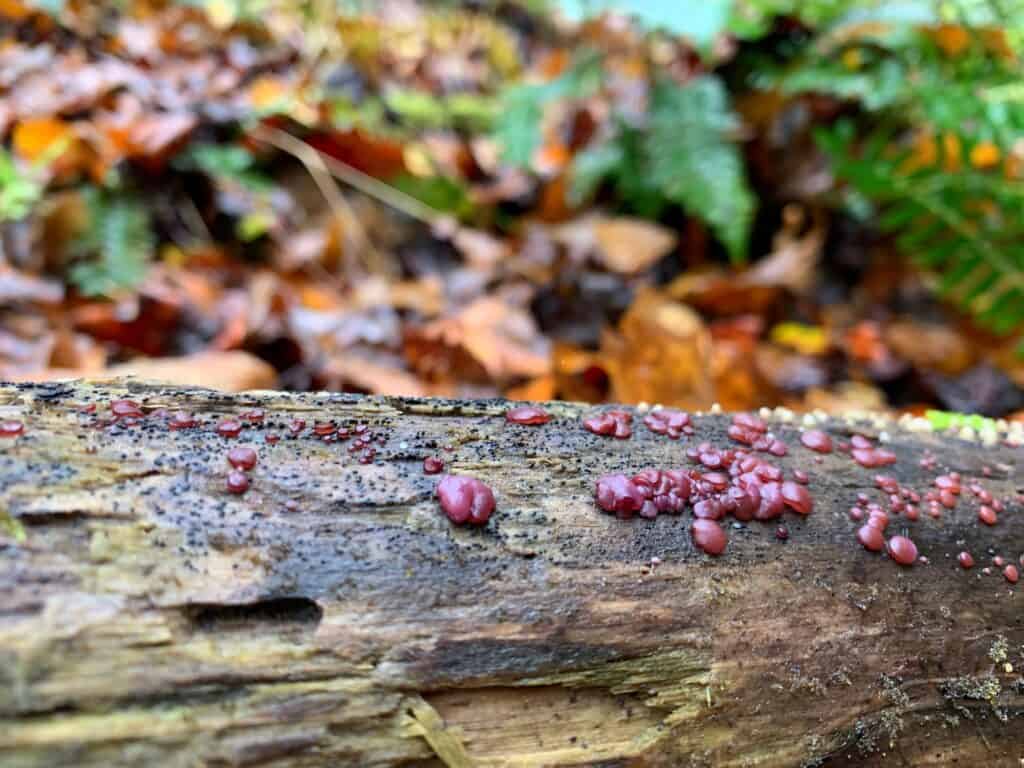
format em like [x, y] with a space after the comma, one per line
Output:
[980, 257]
[694, 161]
[117, 245]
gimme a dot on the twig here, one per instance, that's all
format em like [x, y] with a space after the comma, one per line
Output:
[314, 163]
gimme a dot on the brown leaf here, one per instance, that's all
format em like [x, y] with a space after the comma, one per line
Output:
[661, 354]
[376, 375]
[930, 346]
[794, 256]
[501, 338]
[628, 246]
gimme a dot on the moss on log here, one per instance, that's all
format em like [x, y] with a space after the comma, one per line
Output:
[332, 616]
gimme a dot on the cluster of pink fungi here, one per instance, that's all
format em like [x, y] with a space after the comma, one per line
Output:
[736, 482]
[721, 483]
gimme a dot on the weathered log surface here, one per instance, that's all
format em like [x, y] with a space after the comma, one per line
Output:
[150, 618]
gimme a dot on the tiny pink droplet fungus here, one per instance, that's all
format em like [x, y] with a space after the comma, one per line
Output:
[528, 415]
[465, 499]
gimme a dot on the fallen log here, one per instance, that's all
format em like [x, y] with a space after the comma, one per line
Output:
[331, 615]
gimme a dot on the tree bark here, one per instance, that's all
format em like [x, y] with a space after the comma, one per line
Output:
[333, 616]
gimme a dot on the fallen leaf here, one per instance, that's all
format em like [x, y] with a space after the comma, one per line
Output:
[929, 346]
[537, 390]
[805, 339]
[661, 353]
[628, 246]
[366, 374]
[35, 139]
[501, 338]
[794, 256]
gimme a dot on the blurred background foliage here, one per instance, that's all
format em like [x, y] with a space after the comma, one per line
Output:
[753, 136]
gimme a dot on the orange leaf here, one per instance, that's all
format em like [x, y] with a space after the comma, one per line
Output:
[951, 38]
[35, 137]
[985, 155]
[268, 92]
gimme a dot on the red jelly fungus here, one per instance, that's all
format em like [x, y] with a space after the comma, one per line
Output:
[242, 457]
[432, 465]
[465, 499]
[254, 416]
[782, 533]
[229, 428]
[611, 423]
[322, 428]
[902, 550]
[181, 420]
[122, 408]
[272, 438]
[801, 477]
[237, 481]
[669, 422]
[296, 425]
[873, 457]
[11, 428]
[1011, 574]
[619, 494]
[987, 515]
[965, 560]
[816, 440]
[797, 497]
[709, 536]
[871, 538]
[528, 415]
[749, 421]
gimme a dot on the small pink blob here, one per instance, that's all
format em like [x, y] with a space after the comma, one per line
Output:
[817, 440]
[902, 550]
[465, 499]
[527, 415]
[709, 536]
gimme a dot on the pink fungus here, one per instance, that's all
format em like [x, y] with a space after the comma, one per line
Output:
[817, 440]
[619, 494]
[669, 422]
[610, 423]
[237, 482]
[465, 499]
[229, 428]
[432, 465]
[871, 538]
[709, 536]
[242, 457]
[527, 415]
[902, 550]
[797, 497]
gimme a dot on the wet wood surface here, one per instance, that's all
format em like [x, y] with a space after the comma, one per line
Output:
[332, 616]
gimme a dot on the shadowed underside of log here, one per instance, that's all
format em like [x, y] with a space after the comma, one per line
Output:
[332, 616]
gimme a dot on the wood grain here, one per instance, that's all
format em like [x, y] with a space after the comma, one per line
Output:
[332, 616]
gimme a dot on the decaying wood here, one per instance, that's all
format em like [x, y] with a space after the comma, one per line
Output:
[149, 618]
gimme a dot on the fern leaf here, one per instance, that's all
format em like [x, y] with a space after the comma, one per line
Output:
[118, 245]
[695, 163]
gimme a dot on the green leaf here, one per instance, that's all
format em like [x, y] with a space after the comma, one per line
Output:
[592, 166]
[117, 245]
[19, 190]
[694, 161]
[519, 129]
